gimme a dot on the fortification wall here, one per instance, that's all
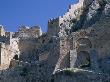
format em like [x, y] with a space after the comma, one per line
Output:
[8, 48]
[93, 41]
[8, 52]
[27, 48]
[24, 72]
[63, 60]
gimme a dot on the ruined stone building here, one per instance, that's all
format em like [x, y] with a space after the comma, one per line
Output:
[74, 49]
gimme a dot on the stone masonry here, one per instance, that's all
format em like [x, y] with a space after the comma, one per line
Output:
[74, 49]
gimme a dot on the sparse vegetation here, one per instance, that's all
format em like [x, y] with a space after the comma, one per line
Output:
[85, 65]
[68, 72]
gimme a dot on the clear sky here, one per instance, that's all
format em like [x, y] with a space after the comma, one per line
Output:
[14, 13]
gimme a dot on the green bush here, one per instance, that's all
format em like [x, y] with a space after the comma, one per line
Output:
[68, 72]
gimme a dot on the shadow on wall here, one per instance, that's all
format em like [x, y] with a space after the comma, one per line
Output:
[83, 60]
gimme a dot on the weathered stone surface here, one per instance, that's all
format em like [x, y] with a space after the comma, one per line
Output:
[79, 39]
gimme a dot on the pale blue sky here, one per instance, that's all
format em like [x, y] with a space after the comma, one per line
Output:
[14, 13]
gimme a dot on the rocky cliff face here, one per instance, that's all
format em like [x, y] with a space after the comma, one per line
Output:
[91, 12]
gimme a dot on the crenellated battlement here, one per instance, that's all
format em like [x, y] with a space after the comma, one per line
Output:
[25, 39]
[29, 32]
[29, 55]
[61, 23]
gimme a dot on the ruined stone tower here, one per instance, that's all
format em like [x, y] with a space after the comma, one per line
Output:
[75, 47]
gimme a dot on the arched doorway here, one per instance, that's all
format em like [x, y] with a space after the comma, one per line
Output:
[83, 60]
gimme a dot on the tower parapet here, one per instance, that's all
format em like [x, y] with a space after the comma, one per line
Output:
[37, 29]
[53, 27]
[62, 24]
[29, 32]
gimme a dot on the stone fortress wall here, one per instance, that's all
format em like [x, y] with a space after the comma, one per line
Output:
[14, 44]
[33, 56]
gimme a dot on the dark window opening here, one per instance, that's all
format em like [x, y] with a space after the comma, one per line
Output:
[52, 80]
[16, 57]
[83, 60]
